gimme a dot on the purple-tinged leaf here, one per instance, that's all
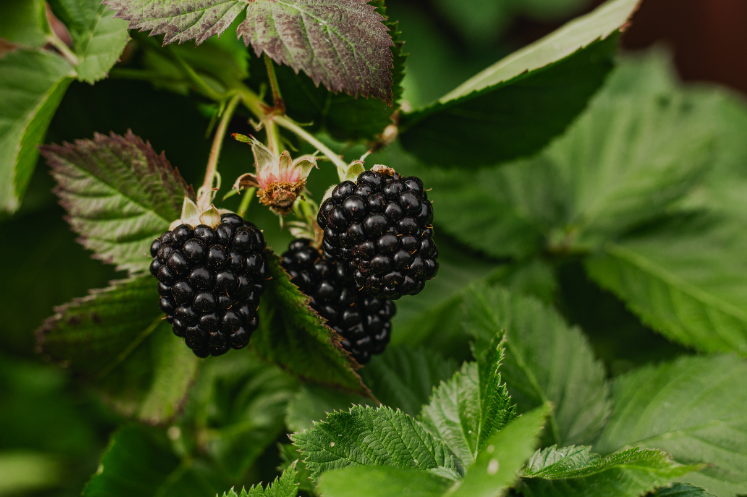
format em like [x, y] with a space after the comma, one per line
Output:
[119, 195]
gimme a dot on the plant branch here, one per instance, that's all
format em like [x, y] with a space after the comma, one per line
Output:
[309, 138]
[277, 98]
[205, 197]
[62, 47]
[195, 78]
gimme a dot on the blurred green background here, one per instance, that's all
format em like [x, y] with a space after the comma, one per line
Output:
[54, 431]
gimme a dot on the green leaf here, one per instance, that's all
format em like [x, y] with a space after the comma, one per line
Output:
[577, 471]
[497, 465]
[23, 472]
[344, 45]
[290, 455]
[377, 481]
[119, 194]
[32, 85]
[284, 486]
[554, 77]
[117, 338]
[404, 378]
[342, 116]
[313, 402]
[23, 22]
[683, 278]
[139, 461]
[364, 436]
[98, 39]
[466, 411]
[295, 337]
[681, 490]
[626, 159]
[237, 405]
[222, 62]
[695, 408]
[546, 361]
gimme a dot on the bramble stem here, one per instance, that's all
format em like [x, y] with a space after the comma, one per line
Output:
[247, 200]
[63, 48]
[277, 98]
[309, 138]
[205, 197]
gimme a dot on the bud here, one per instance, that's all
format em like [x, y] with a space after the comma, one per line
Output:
[280, 179]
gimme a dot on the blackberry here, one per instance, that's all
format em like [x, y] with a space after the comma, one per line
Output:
[210, 281]
[382, 226]
[363, 321]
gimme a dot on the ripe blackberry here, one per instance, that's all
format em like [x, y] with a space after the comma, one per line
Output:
[382, 226]
[363, 321]
[210, 281]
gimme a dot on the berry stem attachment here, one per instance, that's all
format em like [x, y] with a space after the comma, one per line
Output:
[247, 200]
[205, 194]
[309, 138]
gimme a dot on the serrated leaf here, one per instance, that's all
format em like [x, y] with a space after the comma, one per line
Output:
[313, 402]
[341, 43]
[695, 409]
[404, 378]
[295, 337]
[23, 22]
[684, 279]
[117, 338]
[554, 77]
[466, 411]
[222, 62]
[577, 471]
[633, 153]
[681, 490]
[497, 465]
[32, 84]
[120, 195]
[364, 436]
[98, 38]
[377, 481]
[284, 486]
[545, 360]
[342, 116]
[139, 461]
[290, 455]
[237, 404]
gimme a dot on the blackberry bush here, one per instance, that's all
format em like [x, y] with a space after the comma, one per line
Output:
[381, 225]
[210, 281]
[362, 320]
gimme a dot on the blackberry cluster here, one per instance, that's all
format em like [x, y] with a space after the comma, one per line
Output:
[363, 321]
[382, 227]
[210, 281]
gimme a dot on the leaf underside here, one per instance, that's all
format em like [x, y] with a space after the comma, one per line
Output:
[343, 44]
[119, 195]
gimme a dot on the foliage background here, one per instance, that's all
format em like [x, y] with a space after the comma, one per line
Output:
[54, 431]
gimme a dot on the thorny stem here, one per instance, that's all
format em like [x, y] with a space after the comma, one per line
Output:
[277, 98]
[195, 78]
[205, 196]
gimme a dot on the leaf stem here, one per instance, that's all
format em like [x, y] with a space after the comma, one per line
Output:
[205, 197]
[62, 47]
[277, 98]
[195, 78]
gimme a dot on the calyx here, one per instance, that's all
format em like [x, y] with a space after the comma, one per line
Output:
[280, 179]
